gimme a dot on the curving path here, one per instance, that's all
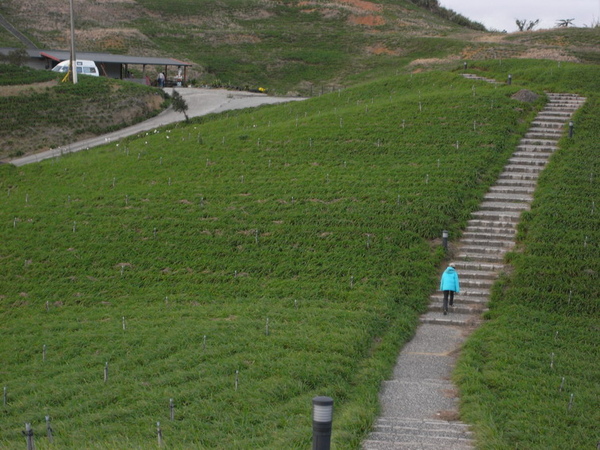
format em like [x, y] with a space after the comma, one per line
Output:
[420, 403]
[200, 102]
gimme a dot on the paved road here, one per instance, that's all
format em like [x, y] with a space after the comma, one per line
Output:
[200, 102]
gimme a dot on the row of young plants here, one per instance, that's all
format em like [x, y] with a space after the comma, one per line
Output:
[240, 265]
[11, 74]
[529, 376]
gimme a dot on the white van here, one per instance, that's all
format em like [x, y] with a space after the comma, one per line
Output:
[83, 66]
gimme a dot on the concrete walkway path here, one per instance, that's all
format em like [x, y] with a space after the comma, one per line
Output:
[200, 102]
[420, 402]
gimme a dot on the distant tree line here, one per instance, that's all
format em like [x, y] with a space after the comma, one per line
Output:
[448, 14]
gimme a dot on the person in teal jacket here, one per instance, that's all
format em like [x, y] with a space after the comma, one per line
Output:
[449, 284]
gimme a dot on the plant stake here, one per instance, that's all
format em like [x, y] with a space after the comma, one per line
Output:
[28, 433]
[571, 402]
[159, 434]
[49, 430]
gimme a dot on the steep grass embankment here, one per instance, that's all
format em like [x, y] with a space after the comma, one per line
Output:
[39, 115]
[239, 265]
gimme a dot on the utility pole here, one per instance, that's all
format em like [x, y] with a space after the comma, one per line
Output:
[73, 61]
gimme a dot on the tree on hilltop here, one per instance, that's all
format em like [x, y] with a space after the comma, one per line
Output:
[564, 23]
[527, 25]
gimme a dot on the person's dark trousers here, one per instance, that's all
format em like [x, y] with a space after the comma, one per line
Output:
[448, 295]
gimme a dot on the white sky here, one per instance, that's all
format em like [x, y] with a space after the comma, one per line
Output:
[501, 14]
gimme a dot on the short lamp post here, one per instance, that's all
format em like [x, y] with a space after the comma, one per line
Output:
[571, 129]
[445, 239]
[510, 79]
[322, 419]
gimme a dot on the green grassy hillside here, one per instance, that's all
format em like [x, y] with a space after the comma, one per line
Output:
[529, 377]
[239, 265]
[283, 45]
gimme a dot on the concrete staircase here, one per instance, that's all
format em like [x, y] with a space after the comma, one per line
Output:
[420, 403]
[491, 231]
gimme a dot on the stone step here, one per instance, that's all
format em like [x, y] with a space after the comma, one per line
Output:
[482, 257]
[564, 105]
[476, 274]
[518, 182]
[469, 292]
[471, 287]
[538, 161]
[553, 98]
[519, 168]
[398, 433]
[544, 156]
[490, 234]
[513, 190]
[457, 319]
[563, 95]
[537, 148]
[497, 216]
[462, 299]
[489, 241]
[551, 143]
[457, 307]
[541, 136]
[463, 266]
[526, 176]
[553, 112]
[499, 226]
[501, 206]
[549, 118]
[420, 424]
[508, 197]
[546, 130]
[483, 249]
[552, 123]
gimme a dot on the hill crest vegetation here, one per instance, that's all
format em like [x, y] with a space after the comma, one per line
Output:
[279, 45]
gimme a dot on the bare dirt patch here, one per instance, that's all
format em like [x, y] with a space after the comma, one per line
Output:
[363, 5]
[369, 20]
[382, 50]
[548, 53]
[434, 61]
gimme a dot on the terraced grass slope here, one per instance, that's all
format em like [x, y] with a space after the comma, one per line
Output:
[239, 265]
